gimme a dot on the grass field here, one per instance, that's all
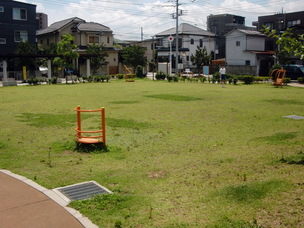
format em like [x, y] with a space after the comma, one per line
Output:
[179, 154]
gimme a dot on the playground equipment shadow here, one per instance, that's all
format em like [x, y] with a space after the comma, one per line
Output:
[24, 203]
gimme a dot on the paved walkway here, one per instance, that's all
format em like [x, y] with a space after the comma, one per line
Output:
[23, 204]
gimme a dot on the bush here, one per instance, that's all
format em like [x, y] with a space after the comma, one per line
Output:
[286, 81]
[120, 76]
[139, 71]
[247, 79]
[172, 78]
[301, 80]
[33, 81]
[261, 79]
[160, 76]
[105, 78]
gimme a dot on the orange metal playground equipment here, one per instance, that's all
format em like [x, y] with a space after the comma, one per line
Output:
[90, 137]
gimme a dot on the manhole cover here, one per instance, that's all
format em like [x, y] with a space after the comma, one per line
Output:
[295, 117]
[83, 190]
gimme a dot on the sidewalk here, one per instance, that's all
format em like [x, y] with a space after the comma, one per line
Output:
[23, 204]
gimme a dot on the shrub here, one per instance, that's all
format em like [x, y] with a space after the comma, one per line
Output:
[261, 79]
[120, 76]
[216, 76]
[247, 79]
[301, 80]
[139, 71]
[160, 76]
[33, 81]
[286, 81]
[105, 78]
[172, 78]
[202, 79]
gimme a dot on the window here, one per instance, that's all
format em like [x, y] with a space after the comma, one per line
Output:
[108, 40]
[247, 62]
[93, 39]
[201, 42]
[238, 43]
[48, 41]
[2, 41]
[1, 9]
[269, 25]
[293, 23]
[19, 14]
[20, 36]
[192, 41]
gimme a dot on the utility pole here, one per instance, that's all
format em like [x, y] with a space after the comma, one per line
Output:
[176, 45]
[177, 14]
[141, 34]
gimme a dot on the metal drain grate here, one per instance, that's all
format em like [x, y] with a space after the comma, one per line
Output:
[83, 190]
[295, 117]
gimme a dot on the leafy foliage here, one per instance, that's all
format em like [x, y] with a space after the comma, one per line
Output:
[288, 43]
[200, 58]
[66, 49]
[99, 61]
[25, 48]
[134, 56]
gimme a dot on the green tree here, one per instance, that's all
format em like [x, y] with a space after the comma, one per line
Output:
[24, 48]
[134, 56]
[200, 58]
[67, 51]
[288, 44]
[98, 61]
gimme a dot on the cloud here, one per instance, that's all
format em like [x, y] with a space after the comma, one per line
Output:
[127, 18]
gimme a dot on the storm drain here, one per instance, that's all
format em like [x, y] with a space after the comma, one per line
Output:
[82, 191]
[295, 117]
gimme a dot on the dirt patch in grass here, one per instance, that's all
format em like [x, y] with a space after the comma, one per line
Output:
[287, 213]
[157, 174]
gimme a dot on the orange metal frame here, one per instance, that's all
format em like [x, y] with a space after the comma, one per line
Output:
[100, 138]
[279, 77]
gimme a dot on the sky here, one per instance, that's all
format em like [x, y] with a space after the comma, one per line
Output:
[136, 19]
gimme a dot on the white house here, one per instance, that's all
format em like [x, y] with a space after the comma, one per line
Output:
[189, 37]
[247, 48]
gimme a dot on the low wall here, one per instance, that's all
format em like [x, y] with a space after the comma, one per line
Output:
[239, 70]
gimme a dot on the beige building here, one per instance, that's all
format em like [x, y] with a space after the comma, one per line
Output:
[85, 33]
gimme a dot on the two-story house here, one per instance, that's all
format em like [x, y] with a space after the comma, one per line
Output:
[85, 33]
[17, 23]
[247, 48]
[280, 22]
[189, 37]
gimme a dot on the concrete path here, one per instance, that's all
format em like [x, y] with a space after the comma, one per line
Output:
[23, 204]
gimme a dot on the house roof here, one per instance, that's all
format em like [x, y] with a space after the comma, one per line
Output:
[186, 29]
[93, 27]
[80, 24]
[247, 32]
[59, 25]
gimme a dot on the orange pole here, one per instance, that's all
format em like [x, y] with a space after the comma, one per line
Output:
[78, 121]
[103, 127]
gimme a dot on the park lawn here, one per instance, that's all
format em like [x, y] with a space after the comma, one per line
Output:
[179, 154]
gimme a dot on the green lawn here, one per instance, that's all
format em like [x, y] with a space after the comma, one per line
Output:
[179, 154]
